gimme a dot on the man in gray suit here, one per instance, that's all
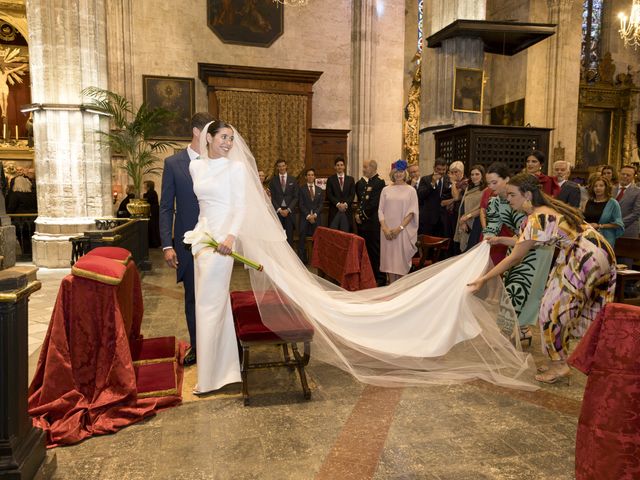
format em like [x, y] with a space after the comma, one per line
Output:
[628, 196]
[178, 214]
[569, 191]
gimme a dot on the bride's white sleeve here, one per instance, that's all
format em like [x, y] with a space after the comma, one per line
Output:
[238, 207]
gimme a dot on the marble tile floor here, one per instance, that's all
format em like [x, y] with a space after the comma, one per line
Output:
[347, 430]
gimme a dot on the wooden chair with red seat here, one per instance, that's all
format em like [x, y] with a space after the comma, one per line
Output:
[430, 250]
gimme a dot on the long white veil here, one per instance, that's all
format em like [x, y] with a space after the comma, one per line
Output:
[424, 328]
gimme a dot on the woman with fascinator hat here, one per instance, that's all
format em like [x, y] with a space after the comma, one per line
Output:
[398, 214]
[416, 331]
[581, 281]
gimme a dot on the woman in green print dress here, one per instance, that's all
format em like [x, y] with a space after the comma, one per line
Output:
[523, 282]
[582, 280]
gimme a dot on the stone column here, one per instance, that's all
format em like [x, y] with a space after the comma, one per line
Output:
[67, 46]
[377, 86]
[438, 70]
[553, 75]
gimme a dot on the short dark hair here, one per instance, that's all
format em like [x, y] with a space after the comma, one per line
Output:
[150, 185]
[635, 169]
[499, 169]
[309, 170]
[439, 162]
[339, 158]
[200, 119]
[281, 160]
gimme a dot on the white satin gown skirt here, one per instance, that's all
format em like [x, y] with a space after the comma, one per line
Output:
[216, 346]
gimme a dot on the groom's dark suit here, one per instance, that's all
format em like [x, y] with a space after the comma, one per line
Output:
[177, 187]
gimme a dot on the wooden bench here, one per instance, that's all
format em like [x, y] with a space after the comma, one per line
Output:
[250, 332]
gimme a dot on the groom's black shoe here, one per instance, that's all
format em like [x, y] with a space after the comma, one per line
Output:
[190, 358]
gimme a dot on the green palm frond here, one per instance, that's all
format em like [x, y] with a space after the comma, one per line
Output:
[132, 134]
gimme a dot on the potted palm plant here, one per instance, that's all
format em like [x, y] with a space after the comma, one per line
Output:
[130, 137]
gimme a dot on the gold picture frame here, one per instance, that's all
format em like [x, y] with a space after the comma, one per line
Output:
[468, 89]
[176, 94]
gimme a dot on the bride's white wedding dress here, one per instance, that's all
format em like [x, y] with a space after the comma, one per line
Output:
[424, 328]
[221, 213]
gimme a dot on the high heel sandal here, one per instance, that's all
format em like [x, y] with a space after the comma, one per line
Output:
[553, 377]
[526, 335]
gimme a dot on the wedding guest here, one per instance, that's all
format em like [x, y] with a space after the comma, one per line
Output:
[524, 282]
[264, 182]
[151, 196]
[459, 184]
[368, 190]
[310, 205]
[284, 197]
[469, 228]
[398, 215]
[534, 165]
[23, 198]
[432, 191]
[122, 211]
[602, 211]
[609, 172]
[414, 176]
[582, 280]
[628, 196]
[569, 192]
[341, 191]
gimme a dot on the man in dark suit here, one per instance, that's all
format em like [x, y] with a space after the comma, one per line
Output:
[310, 205]
[432, 190]
[569, 191]
[628, 196]
[368, 190]
[284, 197]
[341, 191]
[178, 214]
[414, 176]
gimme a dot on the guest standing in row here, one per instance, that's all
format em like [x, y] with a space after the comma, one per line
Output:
[284, 197]
[569, 192]
[628, 196]
[151, 196]
[534, 164]
[398, 214]
[432, 191]
[469, 228]
[368, 190]
[311, 198]
[122, 211]
[602, 211]
[341, 191]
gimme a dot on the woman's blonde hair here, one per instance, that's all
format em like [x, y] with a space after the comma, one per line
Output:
[457, 165]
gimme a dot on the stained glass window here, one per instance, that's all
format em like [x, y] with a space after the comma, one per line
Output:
[420, 22]
[591, 29]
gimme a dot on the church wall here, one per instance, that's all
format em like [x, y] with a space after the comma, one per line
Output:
[316, 37]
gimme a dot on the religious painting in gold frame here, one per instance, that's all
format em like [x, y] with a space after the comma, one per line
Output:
[176, 94]
[468, 86]
[597, 130]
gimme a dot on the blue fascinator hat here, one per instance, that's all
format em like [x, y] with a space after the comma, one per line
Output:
[400, 165]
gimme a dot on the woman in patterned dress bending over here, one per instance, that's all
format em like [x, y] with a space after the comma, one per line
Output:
[581, 281]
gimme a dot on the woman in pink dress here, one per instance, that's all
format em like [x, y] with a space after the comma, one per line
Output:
[398, 214]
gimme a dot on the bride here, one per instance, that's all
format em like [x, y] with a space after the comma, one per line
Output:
[425, 328]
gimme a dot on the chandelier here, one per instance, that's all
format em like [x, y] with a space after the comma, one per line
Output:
[292, 3]
[630, 26]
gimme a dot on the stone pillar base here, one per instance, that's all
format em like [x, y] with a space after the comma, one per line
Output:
[8, 245]
[50, 243]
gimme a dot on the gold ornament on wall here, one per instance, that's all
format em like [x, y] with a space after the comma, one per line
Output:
[411, 125]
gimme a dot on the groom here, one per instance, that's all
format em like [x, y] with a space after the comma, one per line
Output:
[177, 188]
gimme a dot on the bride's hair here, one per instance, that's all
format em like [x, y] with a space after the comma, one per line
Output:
[216, 126]
[529, 183]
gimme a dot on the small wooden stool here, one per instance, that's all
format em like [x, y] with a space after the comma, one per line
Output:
[250, 331]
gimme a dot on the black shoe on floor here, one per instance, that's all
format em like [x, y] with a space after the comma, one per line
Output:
[190, 358]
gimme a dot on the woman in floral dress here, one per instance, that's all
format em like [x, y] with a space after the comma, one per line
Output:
[525, 281]
[582, 280]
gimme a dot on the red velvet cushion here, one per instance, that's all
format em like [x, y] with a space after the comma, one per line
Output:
[100, 269]
[115, 253]
[249, 326]
[156, 379]
[144, 350]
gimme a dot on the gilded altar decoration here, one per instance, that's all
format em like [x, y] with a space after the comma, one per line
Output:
[411, 127]
[12, 67]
